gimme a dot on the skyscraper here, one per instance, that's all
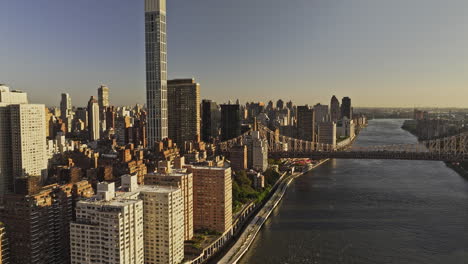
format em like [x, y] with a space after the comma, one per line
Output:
[65, 105]
[184, 110]
[22, 138]
[210, 120]
[335, 112]
[230, 121]
[93, 119]
[305, 123]
[156, 69]
[103, 100]
[346, 110]
[322, 114]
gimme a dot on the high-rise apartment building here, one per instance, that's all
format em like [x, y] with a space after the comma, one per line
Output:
[156, 70]
[22, 138]
[93, 119]
[163, 220]
[212, 198]
[37, 221]
[346, 109]
[335, 111]
[184, 110]
[211, 117]
[305, 123]
[108, 229]
[184, 181]
[230, 121]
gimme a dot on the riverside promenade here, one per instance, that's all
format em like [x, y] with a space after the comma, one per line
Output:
[248, 236]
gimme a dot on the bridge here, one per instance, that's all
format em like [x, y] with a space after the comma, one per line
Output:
[450, 149]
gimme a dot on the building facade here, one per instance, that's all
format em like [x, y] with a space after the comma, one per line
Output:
[212, 198]
[327, 133]
[305, 123]
[156, 69]
[181, 180]
[103, 101]
[184, 110]
[230, 121]
[22, 138]
[211, 117]
[346, 109]
[94, 130]
[107, 229]
[37, 221]
[335, 111]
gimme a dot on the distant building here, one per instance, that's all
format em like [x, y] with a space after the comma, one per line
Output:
[93, 119]
[81, 113]
[335, 110]
[327, 133]
[259, 152]
[346, 109]
[66, 112]
[22, 138]
[230, 121]
[103, 101]
[305, 123]
[184, 110]
[322, 113]
[280, 104]
[212, 198]
[211, 117]
[347, 128]
[238, 157]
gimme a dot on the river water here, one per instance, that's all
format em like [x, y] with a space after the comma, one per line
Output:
[370, 211]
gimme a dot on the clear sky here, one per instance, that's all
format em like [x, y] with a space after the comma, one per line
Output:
[379, 52]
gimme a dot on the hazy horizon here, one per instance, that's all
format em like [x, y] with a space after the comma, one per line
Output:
[380, 53]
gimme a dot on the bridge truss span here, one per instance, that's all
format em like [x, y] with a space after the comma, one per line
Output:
[453, 149]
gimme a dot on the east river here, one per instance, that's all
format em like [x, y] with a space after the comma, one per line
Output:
[370, 211]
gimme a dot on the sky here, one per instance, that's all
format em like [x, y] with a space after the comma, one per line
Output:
[402, 53]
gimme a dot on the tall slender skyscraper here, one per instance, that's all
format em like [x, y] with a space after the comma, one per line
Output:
[65, 106]
[103, 100]
[93, 119]
[66, 112]
[156, 69]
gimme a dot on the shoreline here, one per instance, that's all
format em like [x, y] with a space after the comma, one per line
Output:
[246, 239]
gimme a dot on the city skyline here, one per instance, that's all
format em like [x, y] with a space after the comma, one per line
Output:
[338, 48]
